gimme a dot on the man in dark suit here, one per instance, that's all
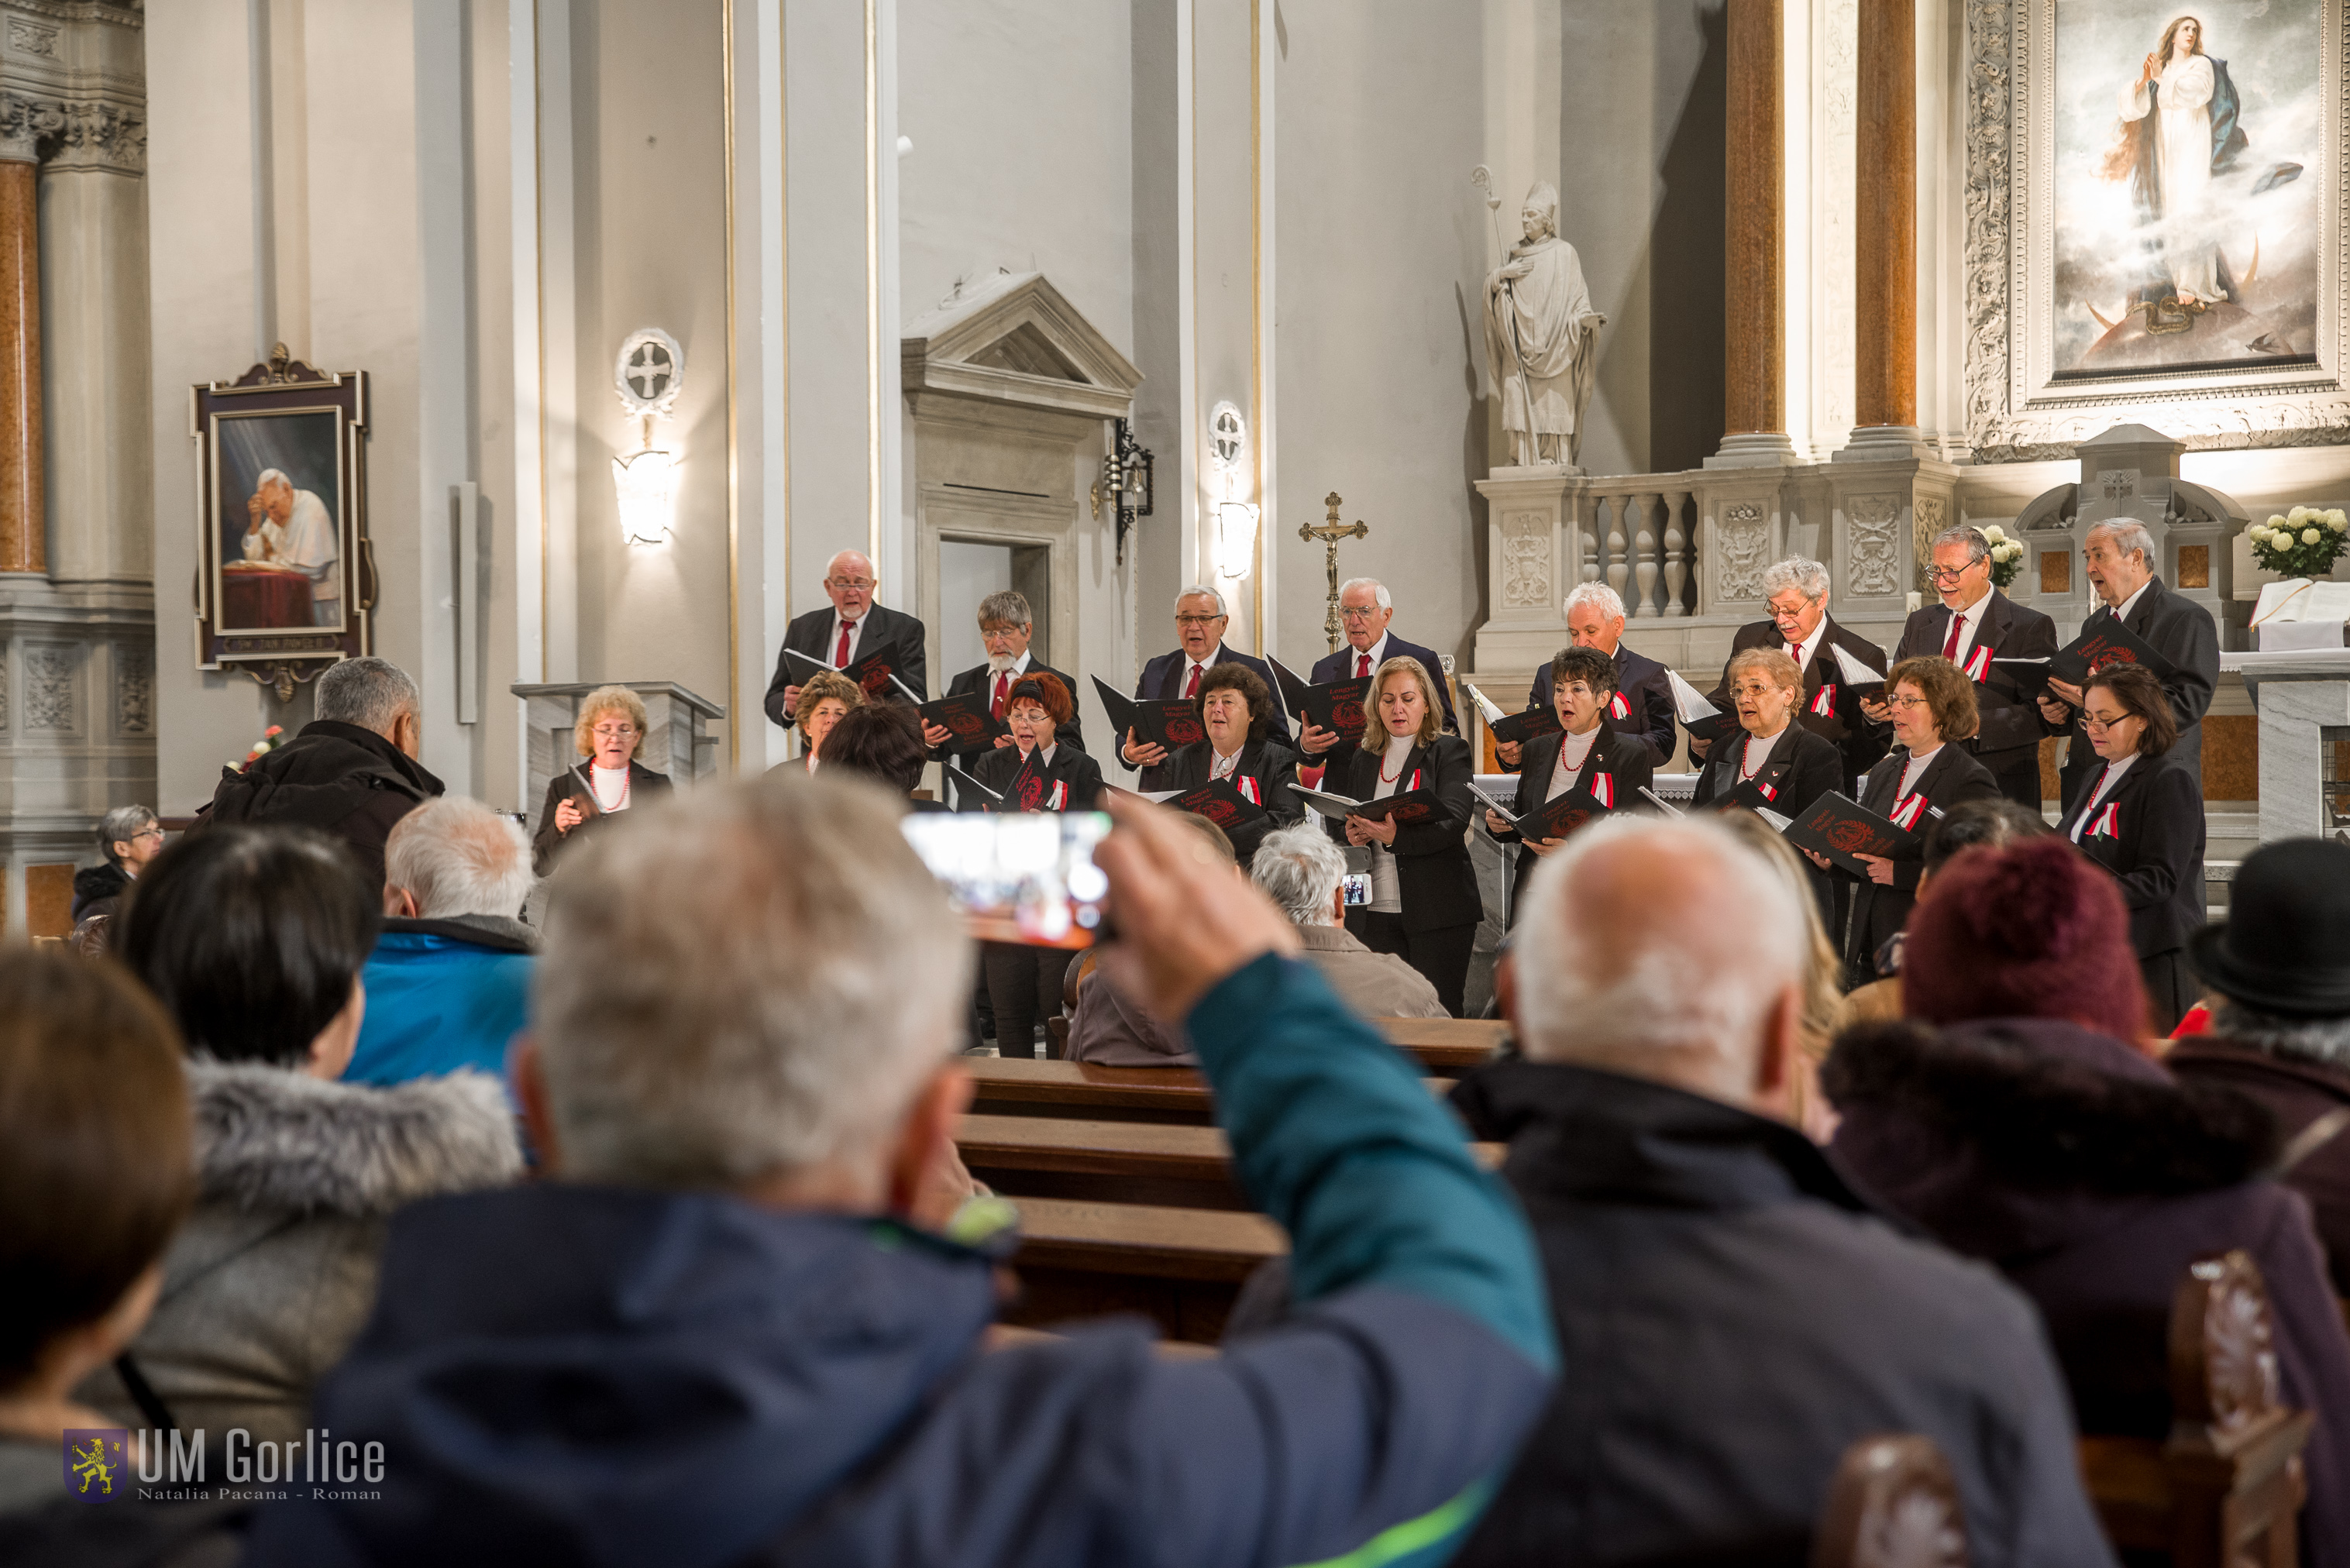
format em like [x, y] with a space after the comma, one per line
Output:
[1005, 626]
[1365, 607]
[855, 627]
[1796, 593]
[1974, 624]
[1200, 622]
[2121, 559]
[1642, 704]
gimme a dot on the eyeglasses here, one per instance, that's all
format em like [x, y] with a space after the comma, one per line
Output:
[147, 832]
[1001, 630]
[1197, 619]
[850, 584]
[2091, 722]
[614, 732]
[1945, 575]
[1907, 705]
[1364, 614]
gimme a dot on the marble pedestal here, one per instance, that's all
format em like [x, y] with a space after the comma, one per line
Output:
[677, 743]
[2300, 695]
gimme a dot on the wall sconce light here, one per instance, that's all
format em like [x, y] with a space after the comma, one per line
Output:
[1125, 481]
[1235, 539]
[647, 375]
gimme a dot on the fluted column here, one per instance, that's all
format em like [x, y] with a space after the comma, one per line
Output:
[1754, 416]
[1885, 247]
[23, 544]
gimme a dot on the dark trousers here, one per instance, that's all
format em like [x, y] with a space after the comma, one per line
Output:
[1442, 954]
[1024, 985]
[2170, 990]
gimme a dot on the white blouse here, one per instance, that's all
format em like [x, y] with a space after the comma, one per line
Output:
[1386, 890]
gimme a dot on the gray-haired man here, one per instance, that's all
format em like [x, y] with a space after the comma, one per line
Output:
[1200, 622]
[1302, 869]
[1005, 627]
[1796, 592]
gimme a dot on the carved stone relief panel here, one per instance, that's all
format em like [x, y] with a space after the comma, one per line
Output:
[1742, 548]
[50, 687]
[1525, 560]
[1874, 564]
[134, 689]
[1928, 515]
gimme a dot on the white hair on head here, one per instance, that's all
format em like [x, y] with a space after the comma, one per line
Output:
[457, 857]
[1806, 576]
[1299, 869]
[369, 692]
[755, 981]
[1690, 1003]
[1378, 590]
[270, 476]
[1966, 534]
[1610, 602]
[2129, 536]
[1198, 590]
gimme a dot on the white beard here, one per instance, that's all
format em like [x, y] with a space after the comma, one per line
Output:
[997, 663]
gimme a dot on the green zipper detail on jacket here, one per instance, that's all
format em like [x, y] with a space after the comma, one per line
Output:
[1398, 1541]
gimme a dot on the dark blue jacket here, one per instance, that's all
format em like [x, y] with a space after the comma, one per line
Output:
[1163, 678]
[564, 1374]
[440, 995]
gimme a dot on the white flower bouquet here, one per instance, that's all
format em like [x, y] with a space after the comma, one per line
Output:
[2006, 555]
[2303, 543]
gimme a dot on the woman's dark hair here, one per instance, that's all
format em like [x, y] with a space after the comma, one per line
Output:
[250, 938]
[95, 1168]
[1588, 665]
[1230, 676]
[1980, 823]
[1950, 695]
[2135, 689]
[882, 740]
[1046, 691]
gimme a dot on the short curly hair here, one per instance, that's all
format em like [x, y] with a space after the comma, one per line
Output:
[609, 700]
[1588, 665]
[1232, 675]
[826, 683]
[1948, 694]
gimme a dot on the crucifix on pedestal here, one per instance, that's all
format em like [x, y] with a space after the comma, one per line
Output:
[1330, 533]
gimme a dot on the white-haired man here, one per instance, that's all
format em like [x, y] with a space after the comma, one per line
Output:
[727, 1329]
[1303, 870]
[448, 985]
[1796, 592]
[1365, 608]
[1750, 1314]
[1642, 706]
[292, 528]
[2121, 559]
[855, 631]
[1200, 622]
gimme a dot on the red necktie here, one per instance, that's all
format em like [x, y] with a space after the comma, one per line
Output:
[1192, 687]
[1950, 643]
[1794, 651]
[840, 654]
[1003, 683]
[1362, 666]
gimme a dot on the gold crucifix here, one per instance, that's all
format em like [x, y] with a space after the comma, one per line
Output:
[1330, 533]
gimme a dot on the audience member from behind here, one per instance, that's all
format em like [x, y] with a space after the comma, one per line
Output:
[2278, 981]
[1822, 974]
[1738, 1313]
[724, 1331]
[129, 837]
[449, 984]
[882, 741]
[350, 773]
[1302, 870]
[607, 780]
[94, 1178]
[253, 940]
[1111, 1029]
[2017, 1120]
[1988, 823]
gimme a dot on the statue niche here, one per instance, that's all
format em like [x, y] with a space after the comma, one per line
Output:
[1542, 338]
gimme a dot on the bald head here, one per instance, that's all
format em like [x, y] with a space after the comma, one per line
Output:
[1663, 949]
[848, 581]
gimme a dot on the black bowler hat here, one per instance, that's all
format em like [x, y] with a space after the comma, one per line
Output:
[2280, 950]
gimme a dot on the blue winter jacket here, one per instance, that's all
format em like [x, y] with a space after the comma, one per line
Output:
[440, 995]
[565, 1374]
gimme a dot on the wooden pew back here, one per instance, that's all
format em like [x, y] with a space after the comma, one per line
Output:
[1893, 1504]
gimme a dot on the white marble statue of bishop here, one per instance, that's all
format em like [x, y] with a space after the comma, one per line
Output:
[1542, 338]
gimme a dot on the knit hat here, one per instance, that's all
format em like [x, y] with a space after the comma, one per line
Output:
[2032, 931]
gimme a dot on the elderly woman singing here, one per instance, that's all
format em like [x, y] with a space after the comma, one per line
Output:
[608, 779]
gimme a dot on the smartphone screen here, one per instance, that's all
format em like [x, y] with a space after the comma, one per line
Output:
[1018, 877]
[1358, 888]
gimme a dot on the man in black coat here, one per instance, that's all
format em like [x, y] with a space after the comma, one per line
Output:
[1365, 607]
[351, 774]
[1005, 626]
[1749, 1315]
[1975, 624]
[2120, 559]
[1200, 622]
[854, 629]
[1796, 593]
[1642, 705]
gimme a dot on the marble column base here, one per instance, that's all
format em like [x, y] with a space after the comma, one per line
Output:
[1757, 449]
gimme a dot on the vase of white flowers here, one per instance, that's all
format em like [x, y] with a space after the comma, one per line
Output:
[2303, 543]
[2006, 555]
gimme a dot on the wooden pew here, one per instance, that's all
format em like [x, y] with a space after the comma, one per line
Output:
[1179, 1266]
[1447, 1045]
[1892, 1503]
[1172, 1095]
[2225, 1489]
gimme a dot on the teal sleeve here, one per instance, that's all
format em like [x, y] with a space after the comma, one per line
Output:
[1336, 1138]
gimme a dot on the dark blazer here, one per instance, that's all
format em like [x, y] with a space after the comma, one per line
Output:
[1952, 779]
[884, 628]
[2156, 848]
[1072, 734]
[2012, 726]
[2181, 631]
[2297, 1092]
[1624, 758]
[1163, 678]
[1802, 767]
[1849, 730]
[1433, 872]
[1648, 695]
[645, 786]
[1027, 788]
[1273, 765]
[1338, 666]
[1752, 1315]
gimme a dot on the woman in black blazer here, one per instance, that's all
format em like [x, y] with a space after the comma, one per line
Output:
[1036, 772]
[2140, 816]
[1792, 766]
[1607, 769]
[1236, 711]
[607, 780]
[1916, 784]
[1424, 907]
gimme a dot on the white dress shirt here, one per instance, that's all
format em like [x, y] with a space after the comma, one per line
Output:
[1377, 652]
[2121, 611]
[1809, 645]
[1015, 669]
[1387, 891]
[1969, 623]
[856, 638]
[1573, 751]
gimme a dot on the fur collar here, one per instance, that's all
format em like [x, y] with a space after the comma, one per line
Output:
[2047, 1106]
[273, 1140]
